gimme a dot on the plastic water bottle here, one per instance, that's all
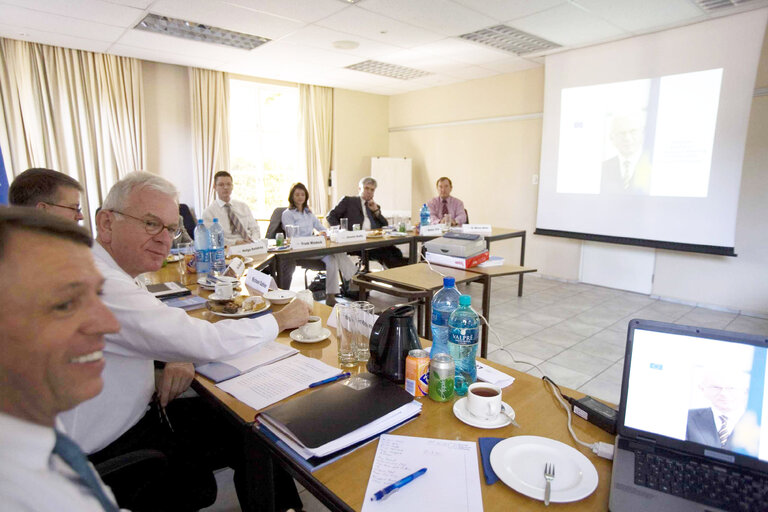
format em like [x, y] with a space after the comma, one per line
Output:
[445, 302]
[202, 249]
[424, 215]
[217, 248]
[465, 334]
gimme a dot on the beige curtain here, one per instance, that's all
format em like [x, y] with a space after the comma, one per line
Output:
[210, 130]
[74, 111]
[316, 117]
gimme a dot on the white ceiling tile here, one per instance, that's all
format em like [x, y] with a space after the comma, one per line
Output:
[642, 16]
[307, 11]
[140, 4]
[442, 16]
[89, 10]
[567, 25]
[64, 41]
[323, 38]
[163, 56]
[468, 72]
[464, 51]
[56, 24]
[223, 15]
[355, 20]
[510, 9]
[511, 65]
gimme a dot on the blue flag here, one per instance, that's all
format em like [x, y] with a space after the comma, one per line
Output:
[3, 181]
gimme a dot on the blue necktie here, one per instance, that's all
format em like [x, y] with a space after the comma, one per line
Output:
[68, 450]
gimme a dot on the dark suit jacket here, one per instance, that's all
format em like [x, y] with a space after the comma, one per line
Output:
[612, 182]
[350, 207]
[701, 428]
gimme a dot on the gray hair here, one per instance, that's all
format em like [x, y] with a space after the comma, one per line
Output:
[119, 193]
[368, 180]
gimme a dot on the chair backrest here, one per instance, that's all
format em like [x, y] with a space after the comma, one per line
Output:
[466, 214]
[276, 222]
[189, 219]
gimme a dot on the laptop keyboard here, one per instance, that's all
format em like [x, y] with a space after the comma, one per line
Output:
[698, 481]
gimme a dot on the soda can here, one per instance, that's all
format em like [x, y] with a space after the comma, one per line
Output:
[441, 378]
[417, 372]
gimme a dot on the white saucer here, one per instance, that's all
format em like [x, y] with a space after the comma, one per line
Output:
[280, 296]
[502, 420]
[214, 296]
[297, 336]
[519, 462]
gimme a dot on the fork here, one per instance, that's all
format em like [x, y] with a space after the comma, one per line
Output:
[549, 475]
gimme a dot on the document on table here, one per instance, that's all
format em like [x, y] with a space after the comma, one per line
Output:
[451, 483]
[271, 383]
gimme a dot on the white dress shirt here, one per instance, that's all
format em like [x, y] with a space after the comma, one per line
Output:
[149, 330]
[32, 478]
[240, 209]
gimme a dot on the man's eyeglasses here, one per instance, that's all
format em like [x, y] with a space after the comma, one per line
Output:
[153, 226]
[73, 208]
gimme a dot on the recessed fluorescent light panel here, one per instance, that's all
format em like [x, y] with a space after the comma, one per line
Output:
[390, 70]
[199, 32]
[510, 40]
[716, 5]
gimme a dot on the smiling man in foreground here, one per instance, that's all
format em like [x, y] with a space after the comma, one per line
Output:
[52, 326]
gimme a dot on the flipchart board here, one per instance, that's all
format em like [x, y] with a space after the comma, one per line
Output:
[393, 192]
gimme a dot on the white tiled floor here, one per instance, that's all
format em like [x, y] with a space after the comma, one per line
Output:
[574, 332]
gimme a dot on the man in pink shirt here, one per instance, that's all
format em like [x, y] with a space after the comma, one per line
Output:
[445, 209]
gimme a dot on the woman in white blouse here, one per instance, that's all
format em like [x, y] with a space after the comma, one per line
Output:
[298, 214]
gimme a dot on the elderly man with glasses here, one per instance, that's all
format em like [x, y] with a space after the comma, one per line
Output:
[48, 190]
[136, 225]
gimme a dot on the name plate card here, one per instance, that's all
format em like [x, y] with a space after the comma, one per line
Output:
[432, 229]
[258, 281]
[307, 242]
[362, 325]
[251, 249]
[480, 229]
[344, 237]
[235, 269]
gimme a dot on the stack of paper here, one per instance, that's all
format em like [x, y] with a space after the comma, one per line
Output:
[492, 375]
[260, 355]
[187, 303]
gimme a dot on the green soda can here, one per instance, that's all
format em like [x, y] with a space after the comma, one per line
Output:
[441, 374]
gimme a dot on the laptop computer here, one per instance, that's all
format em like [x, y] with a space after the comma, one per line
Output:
[693, 421]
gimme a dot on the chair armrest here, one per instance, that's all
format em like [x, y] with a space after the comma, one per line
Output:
[135, 461]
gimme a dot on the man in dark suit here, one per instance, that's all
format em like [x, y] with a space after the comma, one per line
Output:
[629, 172]
[363, 210]
[721, 425]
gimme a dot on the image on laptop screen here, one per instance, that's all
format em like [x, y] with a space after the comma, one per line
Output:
[698, 389]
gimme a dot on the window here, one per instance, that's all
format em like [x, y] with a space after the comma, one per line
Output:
[264, 144]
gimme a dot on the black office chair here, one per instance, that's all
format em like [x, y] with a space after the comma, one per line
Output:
[130, 475]
[275, 227]
[189, 220]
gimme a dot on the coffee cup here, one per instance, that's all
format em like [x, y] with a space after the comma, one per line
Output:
[484, 400]
[313, 328]
[224, 291]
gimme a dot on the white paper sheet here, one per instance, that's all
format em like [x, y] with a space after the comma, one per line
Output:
[488, 374]
[451, 483]
[263, 353]
[269, 384]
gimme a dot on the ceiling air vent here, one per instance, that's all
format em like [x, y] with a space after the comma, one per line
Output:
[199, 32]
[510, 40]
[717, 5]
[390, 70]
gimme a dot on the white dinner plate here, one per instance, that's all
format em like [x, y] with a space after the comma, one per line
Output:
[214, 296]
[246, 259]
[280, 296]
[241, 313]
[206, 286]
[297, 336]
[519, 462]
[502, 420]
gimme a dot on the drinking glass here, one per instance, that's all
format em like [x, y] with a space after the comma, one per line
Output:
[364, 325]
[355, 227]
[187, 261]
[291, 230]
[344, 224]
[345, 332]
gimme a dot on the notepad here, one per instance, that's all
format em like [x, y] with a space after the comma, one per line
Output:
[260, 355]
[451, 483]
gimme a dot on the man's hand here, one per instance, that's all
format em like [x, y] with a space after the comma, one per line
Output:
[373, 206]
[295, 314]
[175, 380]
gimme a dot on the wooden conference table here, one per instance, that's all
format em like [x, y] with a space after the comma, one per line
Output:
[341, 485]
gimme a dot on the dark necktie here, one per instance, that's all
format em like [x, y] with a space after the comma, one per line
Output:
[723, 432]
[68, 450]
[234, 223]
[445, 208]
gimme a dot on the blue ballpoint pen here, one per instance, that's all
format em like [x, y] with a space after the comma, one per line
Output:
[380, 495]
[330, 379]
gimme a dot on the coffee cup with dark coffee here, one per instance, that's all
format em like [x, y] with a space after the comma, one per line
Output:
[484, 400]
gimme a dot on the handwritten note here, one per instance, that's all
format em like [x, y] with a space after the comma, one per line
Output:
[451, 483]
[307, 242]
[480, 229]
[256, 247]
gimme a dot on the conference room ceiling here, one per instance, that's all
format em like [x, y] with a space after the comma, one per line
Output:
[315, 41]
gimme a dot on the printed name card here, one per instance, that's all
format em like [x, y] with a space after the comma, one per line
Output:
[235, 269]
[307, 242]
[344, 237]
[259, 281]
[480, 229]
[433, 229]
[362, 325]
[251, 249]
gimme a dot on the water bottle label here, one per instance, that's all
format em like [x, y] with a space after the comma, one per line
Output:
[464, 336]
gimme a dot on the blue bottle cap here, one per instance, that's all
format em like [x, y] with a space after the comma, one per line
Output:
[449, 282]
[199, 221]
[465, 300]
[215, 219]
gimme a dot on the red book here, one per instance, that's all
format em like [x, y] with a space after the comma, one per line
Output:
[457, 262]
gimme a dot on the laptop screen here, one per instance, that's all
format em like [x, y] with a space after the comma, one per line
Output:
[697, 385]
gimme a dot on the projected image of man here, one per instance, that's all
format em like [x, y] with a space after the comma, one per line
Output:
[724, 423]
[629, 172]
